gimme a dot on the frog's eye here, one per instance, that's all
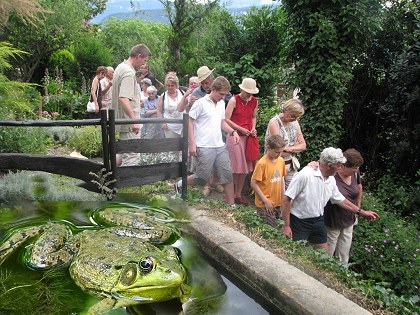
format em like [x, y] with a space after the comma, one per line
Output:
[146, 265]
[128, 274]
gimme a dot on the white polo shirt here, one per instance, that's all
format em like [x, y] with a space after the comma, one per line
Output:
[310, 193]
[208, 122]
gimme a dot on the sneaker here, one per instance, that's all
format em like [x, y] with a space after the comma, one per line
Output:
[241, 201]
[219, 188]
[206, 191]
[232, 206]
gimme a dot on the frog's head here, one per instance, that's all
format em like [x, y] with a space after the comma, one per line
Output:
[157, 277]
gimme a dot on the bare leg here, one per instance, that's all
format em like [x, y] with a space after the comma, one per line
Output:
[229, 194]
[239, 181]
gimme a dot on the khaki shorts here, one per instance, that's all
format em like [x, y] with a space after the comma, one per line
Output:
[217, 158]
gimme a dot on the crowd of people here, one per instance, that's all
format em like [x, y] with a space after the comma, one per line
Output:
[319, 204]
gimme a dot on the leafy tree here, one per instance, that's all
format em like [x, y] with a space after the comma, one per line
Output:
[248, 45]
[121, 35]
[60, 28]
[261, 32]
[323, 39]
[12, 94]
[184, 17]
[89, 53]
[382, 116]
[29, 11]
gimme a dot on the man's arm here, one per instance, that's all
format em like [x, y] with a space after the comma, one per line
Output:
[125, 102]
[191, 137]
[285, 211]
[226, 128]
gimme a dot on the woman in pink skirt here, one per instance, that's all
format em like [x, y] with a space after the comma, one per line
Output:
[241, 115]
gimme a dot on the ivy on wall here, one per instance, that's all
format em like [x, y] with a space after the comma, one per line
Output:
[322, 39]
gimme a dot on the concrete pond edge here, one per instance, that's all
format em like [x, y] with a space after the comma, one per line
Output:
[279, 283]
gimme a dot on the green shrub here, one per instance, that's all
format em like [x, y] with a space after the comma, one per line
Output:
[79, 106]
[403, 196]
[60, 134]
[387, 250]
[28, 185]
[61, 104]
[22, 140]
[87, 140]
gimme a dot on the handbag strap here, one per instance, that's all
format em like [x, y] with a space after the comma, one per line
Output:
[283, 129]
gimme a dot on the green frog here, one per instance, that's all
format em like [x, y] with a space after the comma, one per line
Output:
[125, 263]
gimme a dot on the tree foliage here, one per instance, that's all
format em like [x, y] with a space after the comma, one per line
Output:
[29, 11]
[241, 46]
[59, 29]
[121, 35]
[382, 116]
[323, 39]
[184, 18]
[12, 94]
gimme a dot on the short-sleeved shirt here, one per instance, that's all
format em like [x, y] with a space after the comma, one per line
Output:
[334, 215]
[124, 85]
[208, 118]
[269, 175]
[310, 193]
[199, 92]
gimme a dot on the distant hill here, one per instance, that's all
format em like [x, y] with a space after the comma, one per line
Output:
[152, 10]
[158, 15]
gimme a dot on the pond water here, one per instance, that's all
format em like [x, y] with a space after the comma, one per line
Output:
[25, 291]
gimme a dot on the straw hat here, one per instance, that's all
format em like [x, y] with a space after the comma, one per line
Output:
[249, 85]
[203, 73]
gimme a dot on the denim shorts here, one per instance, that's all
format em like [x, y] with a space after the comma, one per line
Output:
[312, 230]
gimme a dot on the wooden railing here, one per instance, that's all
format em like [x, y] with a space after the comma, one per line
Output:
[83, 169]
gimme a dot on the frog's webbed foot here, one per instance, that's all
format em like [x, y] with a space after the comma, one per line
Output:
[52, 248]
[102, 307]
[17, 237]
[49, 250]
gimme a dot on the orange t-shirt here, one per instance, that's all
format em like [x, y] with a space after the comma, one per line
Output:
[269, 176]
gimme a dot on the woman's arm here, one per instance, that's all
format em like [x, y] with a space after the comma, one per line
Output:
[160, 111]
[254, 121]
[183, 103]
[93, 93]
[228, 115]
[300, 144]
[273, 127]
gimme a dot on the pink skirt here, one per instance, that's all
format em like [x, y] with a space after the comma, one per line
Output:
[238, 162]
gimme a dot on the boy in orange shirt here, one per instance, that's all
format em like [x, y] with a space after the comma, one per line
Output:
[268, 180]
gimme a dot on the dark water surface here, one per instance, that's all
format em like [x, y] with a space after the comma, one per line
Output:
[25, 291]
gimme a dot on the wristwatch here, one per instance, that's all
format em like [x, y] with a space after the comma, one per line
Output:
[233, 131]
[358, 211]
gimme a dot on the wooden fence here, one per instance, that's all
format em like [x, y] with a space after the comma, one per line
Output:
[83, 169]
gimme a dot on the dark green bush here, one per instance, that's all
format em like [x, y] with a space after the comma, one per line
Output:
[87, 140]
[387, 249]
[401, 195]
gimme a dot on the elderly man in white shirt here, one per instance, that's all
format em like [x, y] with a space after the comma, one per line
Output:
[307, 195]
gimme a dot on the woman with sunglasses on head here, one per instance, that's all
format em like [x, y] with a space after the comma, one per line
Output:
[286, 124]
